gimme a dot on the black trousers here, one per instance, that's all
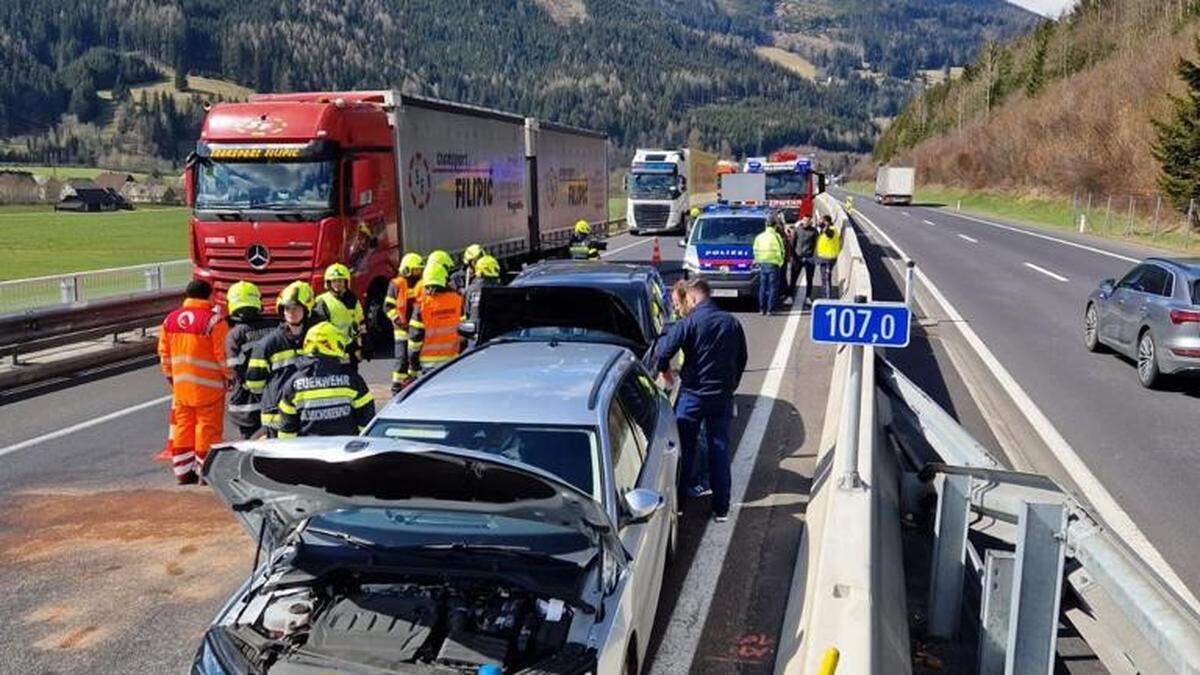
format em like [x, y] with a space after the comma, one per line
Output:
[808, 265]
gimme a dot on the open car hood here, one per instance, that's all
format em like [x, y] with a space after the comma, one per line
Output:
[511, 309]
[273, 486]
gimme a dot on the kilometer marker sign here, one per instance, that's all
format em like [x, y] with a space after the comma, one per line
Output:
[879, 324]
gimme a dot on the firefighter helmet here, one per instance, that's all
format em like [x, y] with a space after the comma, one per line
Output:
[337, 271]
[411, 264]
[243, 294]
[299, 294]
[324, 338]
[695, 213]
[442, 258]
[474, 252]
[487, 266]
[582, 228]
[435, 275]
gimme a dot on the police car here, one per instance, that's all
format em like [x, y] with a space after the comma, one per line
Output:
[720, 248]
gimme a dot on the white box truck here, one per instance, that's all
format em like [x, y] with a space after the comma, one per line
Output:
[664, 185]
[895, 184]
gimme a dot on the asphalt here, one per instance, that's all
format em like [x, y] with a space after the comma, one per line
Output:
[106, 566]
[1023, 291]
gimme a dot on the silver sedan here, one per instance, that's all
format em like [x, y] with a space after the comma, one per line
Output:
[1150, 315]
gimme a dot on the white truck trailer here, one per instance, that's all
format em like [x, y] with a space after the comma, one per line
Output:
[895, 184]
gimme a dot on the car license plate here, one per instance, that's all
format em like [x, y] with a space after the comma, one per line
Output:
[725, 269]
[724, 292]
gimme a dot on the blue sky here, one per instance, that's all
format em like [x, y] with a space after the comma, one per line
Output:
[1051, 8]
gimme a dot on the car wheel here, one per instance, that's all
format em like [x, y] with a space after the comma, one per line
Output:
[1147, 361]
[1091, 330]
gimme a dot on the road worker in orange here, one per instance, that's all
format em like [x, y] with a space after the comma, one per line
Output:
[433, 329]
[191, 348]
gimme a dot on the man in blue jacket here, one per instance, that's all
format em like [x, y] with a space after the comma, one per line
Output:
[714, 358]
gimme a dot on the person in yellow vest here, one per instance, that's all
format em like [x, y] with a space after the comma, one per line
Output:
[768, 256]
[581, 246]
[829, 246]
[340, 306]
[433, 330]
[401, 297]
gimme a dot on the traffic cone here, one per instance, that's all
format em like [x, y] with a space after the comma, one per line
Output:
[656, 254]
[169, 449]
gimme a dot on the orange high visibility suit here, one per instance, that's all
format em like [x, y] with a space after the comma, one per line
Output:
[433, 329]
[191, 348]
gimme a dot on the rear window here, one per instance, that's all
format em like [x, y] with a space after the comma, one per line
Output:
[1196, 292]
[727, 230]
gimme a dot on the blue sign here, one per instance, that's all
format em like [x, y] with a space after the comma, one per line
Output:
[882, 324]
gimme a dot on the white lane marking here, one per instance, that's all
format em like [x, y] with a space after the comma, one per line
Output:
[1045, 271]
[682, 636]
[906, 213]
[1106, 506]
[1047, 237]
[927, 221]
[81, 426]
[627, 246]
[970, 239]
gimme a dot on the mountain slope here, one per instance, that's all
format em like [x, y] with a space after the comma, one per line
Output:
[645, 71]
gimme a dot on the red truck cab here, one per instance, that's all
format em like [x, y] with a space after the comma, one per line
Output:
[792, 184]
[284, 185]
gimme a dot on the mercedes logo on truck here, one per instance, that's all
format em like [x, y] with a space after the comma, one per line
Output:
[258, 256]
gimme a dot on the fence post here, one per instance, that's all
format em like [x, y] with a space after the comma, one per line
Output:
[154, 277]
[1157, 207]
[1129, 220]
[68, 290]
[1107, 213]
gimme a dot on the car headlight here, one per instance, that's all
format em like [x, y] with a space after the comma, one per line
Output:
[691, 259]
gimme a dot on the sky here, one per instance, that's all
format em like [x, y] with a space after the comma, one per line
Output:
[1050, 8]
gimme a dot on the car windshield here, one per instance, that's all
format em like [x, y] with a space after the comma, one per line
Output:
[789, 184]
[651, 185]
[265, 185]
[570, 453]
[727, 230]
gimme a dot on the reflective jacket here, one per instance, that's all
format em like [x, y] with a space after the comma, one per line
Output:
[581, 248]
[343, 311]
[474, 293]
[272, 361]
[768, 248]
[433, 330]
[191, 351]
[402, 295]
[324, 397]
[246, 329]
[829, 245]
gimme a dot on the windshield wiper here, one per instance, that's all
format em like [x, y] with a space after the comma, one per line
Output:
[345, 537]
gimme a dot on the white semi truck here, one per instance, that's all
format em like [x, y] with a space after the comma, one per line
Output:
[895, 184]
[664, 185]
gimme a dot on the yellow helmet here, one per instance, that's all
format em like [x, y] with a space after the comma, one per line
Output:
[487, 266]
[473, 253]
[297, 293]
[582, 227]
[695, 213]
[435, 275]
[442, 258]
[325, 338]
[337, 271]
[411, 263]
[241, 295]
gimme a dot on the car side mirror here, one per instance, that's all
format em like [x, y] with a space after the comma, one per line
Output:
[468, 329]
[640, 504]
[1108, 285]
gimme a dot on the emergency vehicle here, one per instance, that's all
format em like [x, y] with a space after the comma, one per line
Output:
[791, 182]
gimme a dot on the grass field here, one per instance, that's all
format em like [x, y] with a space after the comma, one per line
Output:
[65, 172]
[1167, 231]
[39, 241]
[790, 60]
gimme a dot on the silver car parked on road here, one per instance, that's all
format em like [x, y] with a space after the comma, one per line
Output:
[1151, 315]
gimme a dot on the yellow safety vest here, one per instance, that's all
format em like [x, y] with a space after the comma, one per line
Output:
[829, 247]
[768, 248]
[346, 320]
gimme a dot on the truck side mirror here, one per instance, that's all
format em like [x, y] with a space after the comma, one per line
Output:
[364, 178]
[820, 183]
[682, 183]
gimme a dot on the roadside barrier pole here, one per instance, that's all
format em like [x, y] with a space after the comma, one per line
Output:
[829, 662]
[851, 411]
[909, 265]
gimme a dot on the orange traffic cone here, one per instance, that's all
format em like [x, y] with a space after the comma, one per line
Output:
[656, 254]
[169, 449]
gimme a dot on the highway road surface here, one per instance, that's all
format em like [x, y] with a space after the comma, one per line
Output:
[106, 566]
[1022, 291]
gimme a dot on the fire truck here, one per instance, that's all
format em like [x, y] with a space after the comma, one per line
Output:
[284, 185]
[791, 182]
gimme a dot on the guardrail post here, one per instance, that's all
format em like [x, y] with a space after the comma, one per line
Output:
[851, 412]
[949, 556]
[909, 267]
[154, 277]
[995, 607]
[1037, 589]
[68, 290]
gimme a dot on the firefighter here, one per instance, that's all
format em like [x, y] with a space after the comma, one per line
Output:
[326, 396]
[433, 330]
[442, 258]
[340, 306]
[273, 359]
[581, 247]
[247, 326]
[402, 294]
[487, 273]
[461, 279]
[191, 348]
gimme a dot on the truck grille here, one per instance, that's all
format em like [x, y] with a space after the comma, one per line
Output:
[651, 216]
[288, 263]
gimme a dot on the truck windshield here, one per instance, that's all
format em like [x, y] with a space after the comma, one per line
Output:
[651, 185]
[265, 185]
[727, 230]
[789, 184]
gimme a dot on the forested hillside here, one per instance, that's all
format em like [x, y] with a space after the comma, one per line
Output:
[1069, 107]
[645, 71]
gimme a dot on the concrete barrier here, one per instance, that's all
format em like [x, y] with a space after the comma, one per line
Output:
[847, 590]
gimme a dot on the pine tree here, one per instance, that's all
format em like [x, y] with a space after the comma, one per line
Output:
[1177, 148]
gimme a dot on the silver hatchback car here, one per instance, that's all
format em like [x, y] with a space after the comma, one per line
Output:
[1152, 315]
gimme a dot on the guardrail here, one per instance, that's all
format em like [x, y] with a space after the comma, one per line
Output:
[68, 289]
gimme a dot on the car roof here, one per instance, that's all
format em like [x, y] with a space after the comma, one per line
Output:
[1190, 264]
[572, 272]
[535, 382]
